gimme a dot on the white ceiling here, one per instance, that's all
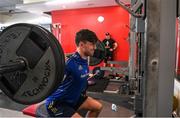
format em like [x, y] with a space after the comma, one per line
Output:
[59, 5]
[16, 9]
[40, 6]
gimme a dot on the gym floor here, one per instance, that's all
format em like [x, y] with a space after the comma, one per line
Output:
[12, 109]
[9, 108]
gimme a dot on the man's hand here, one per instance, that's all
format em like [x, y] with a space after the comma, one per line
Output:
[111, 49]
[90, 75]
[91, 79]
[115, 45]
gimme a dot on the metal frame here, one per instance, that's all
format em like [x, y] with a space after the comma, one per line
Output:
[160, 58]
[133, 9]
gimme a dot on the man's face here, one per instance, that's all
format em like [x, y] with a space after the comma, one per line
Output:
[88, 48]
[108, 36]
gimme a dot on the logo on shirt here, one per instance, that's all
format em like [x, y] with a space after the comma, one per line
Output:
[57, 114]
[107, 43]
[80, 67]
[85, 75]
[82, 76]
[64, 77]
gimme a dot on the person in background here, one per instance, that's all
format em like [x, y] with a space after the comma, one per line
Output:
[110, 46]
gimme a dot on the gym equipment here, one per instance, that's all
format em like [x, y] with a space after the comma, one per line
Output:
[122, 67]
[134, 9]
[99, 74]
[99, 54]
[118, 70]
[124, 89]
[31, 63]
[39, 110]
[31, 110]
[100, 85]
[91, 82]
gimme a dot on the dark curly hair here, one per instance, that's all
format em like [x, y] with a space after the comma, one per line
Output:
[85, 35]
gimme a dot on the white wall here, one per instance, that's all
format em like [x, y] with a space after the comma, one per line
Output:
[25, 18]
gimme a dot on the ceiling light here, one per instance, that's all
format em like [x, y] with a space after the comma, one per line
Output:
[100, 19]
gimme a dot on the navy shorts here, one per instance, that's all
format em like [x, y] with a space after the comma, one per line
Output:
[63, 109]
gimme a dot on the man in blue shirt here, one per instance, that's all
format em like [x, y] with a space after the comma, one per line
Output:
[70, 95]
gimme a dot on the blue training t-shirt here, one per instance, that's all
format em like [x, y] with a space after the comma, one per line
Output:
[75, 81]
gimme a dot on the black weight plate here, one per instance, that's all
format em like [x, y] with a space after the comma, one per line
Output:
[99, 73]
[56, 42]
[44, 59]
[99, 54]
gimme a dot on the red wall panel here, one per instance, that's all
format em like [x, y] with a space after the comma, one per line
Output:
[115, 21]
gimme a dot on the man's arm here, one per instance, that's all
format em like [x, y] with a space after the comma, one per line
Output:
[115, 45]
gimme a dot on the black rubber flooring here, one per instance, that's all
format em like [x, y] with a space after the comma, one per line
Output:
[100, 85]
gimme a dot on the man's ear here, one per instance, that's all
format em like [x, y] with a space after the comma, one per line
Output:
[81, 44]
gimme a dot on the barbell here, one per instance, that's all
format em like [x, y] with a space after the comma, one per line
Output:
[32, 63]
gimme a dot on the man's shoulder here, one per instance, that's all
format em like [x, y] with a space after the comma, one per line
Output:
[112, 40]
[104, 40]
[70, 65]
[70, 61]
